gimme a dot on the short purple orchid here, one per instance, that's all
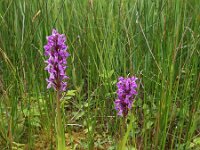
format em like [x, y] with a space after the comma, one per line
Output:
[126, 93]
[56, 63]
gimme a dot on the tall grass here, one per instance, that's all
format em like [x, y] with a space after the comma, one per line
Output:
[158, 41]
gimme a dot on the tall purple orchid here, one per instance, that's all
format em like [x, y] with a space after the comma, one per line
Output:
[56, 63]
[126, 93]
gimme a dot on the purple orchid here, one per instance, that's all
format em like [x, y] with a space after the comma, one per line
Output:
[56, 63]
[126, 93]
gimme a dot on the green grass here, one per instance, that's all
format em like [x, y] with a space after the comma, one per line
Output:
[156, 40]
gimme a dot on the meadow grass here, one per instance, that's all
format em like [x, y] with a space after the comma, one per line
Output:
[156, 40]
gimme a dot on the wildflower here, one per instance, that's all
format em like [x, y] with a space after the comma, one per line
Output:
[56, 63]
[126, 93]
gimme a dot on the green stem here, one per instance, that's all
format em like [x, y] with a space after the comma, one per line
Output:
[123, 131]
[125, 138]
[59, 125]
